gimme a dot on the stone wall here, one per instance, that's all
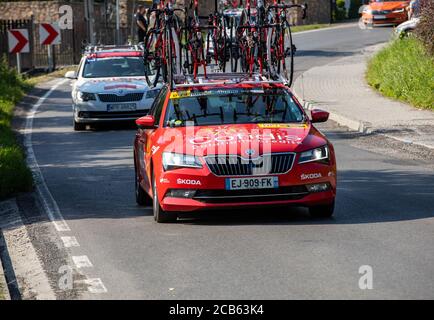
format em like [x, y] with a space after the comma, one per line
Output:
[42, 11]
[48, 11]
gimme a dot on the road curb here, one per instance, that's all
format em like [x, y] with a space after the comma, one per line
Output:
[356, 125]
[352, 124]
[4, 290]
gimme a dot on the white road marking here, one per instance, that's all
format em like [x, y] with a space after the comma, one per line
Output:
[32, 281]
[69, 242]
[95, 285]
[82, 262]
[50, 205]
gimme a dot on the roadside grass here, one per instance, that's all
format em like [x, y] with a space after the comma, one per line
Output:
[310, 27]
[49, 76]
[14, 174]
[2, 291]
[404, 71]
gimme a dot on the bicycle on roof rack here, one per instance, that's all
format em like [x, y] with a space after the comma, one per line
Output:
[251, 36]
[162, 51]
[280, 47]
[260, 41]
[264, 40]
[216, 40]
[198, 52]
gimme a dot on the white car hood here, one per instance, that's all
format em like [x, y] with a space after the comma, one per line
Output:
[112, 85]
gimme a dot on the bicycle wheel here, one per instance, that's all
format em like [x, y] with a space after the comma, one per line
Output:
[244, 42]
[152, 57]
[234, 54]
[280, 53]
[221, 43]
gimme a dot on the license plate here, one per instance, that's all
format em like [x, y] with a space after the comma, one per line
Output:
[379, 17]
[121, 107]
[252, 183]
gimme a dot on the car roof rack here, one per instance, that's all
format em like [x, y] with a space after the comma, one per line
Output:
[215, 79]
[112, 48]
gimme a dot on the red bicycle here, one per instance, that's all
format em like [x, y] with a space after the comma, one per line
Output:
[162, 53]
[280, 48]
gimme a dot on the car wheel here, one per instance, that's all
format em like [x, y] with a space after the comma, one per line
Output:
[142, 198]
[160, 215]
[79, 126]
[324, 211]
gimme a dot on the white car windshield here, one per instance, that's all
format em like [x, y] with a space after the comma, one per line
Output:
[114, 67]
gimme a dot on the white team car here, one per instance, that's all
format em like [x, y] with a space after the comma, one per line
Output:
[407, 27]
[110, 85]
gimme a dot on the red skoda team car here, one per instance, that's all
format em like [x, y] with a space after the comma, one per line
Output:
[224, 143]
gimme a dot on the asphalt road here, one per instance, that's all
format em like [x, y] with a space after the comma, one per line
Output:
[384, 216]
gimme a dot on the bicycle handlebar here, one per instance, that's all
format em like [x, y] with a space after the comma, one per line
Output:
[167, 10]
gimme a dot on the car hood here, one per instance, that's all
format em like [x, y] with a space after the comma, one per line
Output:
[113, 85]
[388, 5]
[243, 140]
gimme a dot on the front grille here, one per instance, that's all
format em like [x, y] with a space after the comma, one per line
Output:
[260, 195]
[109, 97]
[108, 115]
[233, 165]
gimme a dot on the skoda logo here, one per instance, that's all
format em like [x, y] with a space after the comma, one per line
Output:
[250, 152]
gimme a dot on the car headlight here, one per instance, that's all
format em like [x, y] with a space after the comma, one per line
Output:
[173, 161]
[317, 154]
[86, 96]
[398, 10]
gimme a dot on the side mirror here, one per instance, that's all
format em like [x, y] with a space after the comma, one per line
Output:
[71, 75]
[319, 115]
[146, 122]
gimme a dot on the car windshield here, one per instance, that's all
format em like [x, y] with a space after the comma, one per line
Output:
[232, 106]
[114, 67]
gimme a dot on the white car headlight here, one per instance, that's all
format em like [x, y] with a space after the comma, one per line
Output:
[173, 161]
[86, 96]
[317, 154]
[398, 10]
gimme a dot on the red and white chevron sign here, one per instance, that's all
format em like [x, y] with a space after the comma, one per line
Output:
[18, 40]
[49, 33]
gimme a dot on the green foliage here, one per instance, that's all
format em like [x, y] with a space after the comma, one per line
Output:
[14, 174]
[354, 9]
[340, 12]
[404, 71]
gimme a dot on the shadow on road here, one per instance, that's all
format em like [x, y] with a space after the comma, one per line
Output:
[91, 176]
[323, 53]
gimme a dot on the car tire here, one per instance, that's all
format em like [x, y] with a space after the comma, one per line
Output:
[324, 211]
[142, 198]
[79, 126]
[160, 215]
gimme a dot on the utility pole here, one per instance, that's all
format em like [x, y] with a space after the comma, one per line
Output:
[118, 35]
[89, 17]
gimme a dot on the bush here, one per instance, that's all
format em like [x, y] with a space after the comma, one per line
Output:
[14, 174]
[403, 70]
[425, 29]
[354, 9]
